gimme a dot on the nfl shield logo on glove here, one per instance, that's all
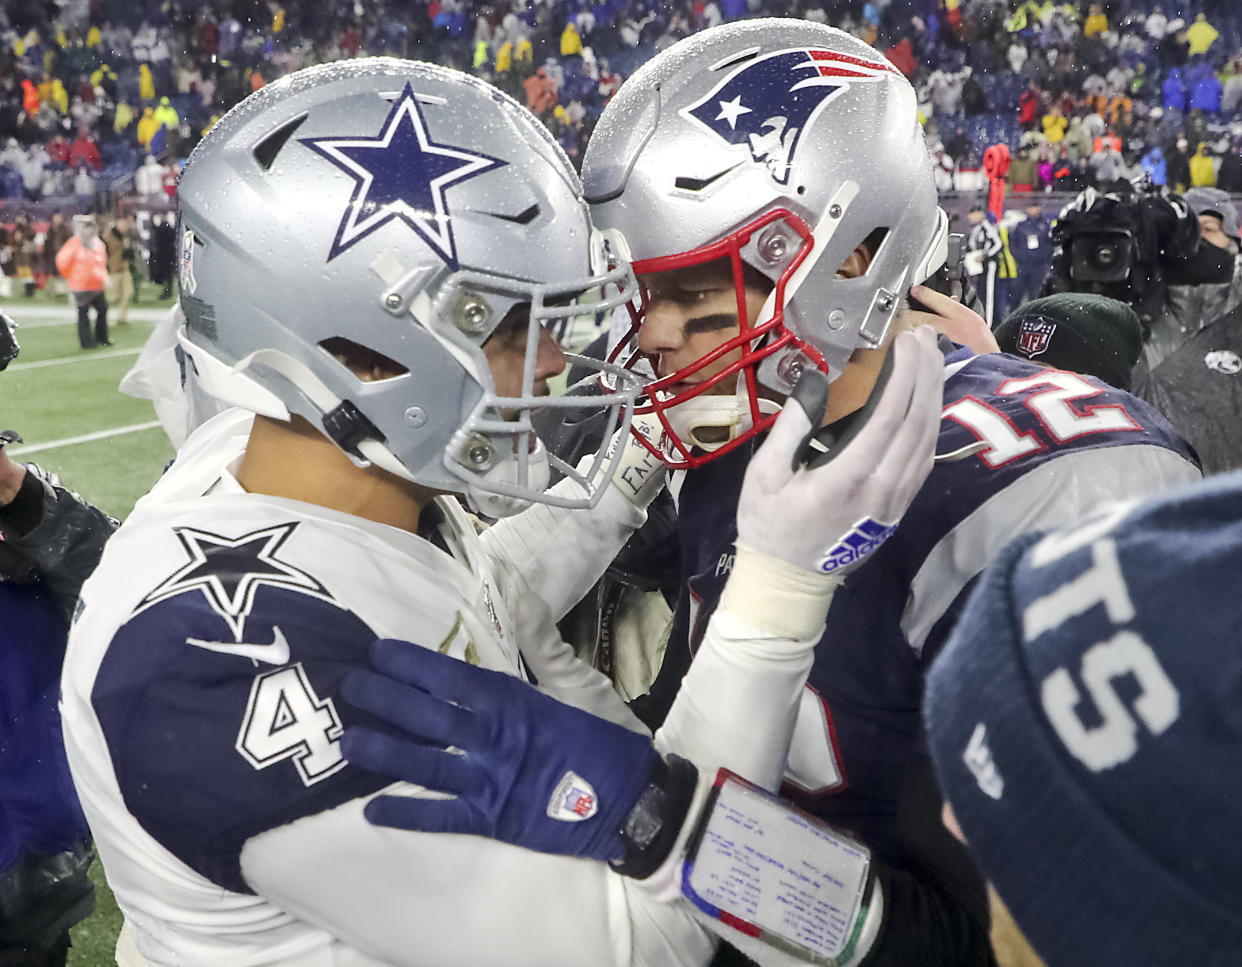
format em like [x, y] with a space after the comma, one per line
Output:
[573, 800]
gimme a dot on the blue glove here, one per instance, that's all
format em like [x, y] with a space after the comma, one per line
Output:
[534, 773]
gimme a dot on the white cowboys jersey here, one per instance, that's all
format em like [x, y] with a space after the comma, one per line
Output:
[202, 720]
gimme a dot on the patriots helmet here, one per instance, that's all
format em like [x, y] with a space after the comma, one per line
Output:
[395, 212]
[779, 145]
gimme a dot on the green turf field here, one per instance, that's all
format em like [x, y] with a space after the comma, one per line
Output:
[54, 394]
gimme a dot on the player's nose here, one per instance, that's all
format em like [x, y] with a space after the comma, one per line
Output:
[549, 357]
[663, 327]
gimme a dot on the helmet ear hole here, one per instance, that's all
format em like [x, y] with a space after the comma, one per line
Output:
[367, 364]
[873, 243]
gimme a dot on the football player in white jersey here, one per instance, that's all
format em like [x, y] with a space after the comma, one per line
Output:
[368, 255]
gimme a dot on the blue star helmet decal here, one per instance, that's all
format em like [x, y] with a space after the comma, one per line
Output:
[768, 102]
[400, 173]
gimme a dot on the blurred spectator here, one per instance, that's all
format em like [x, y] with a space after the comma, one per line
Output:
[123, 118]
[1155, 166]
[161, 263]
[121, 240]
[58, 150]
[1023, 174]
[84, 151]
[1107, 166]
[146, 83]
[147, 126]
[1207, 92]
[1200, 36]
[22, 237]
[943, 168]
[571, 43]
[1202, 168]
[83, 261]
[1174, 89]
[540, 92]
[166, 114]
[1031, 243]
[149, 179]
[1179, 167]
[1096, 22]
[58, 233]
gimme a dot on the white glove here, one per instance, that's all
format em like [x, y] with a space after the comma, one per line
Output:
[827, 518]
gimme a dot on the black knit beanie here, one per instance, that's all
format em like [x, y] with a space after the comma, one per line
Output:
[1077, 331]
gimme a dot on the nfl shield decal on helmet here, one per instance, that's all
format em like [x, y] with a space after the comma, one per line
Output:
[1034, 336]
[400, 173]
[768, 102]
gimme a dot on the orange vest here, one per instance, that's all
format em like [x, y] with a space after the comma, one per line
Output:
[85, 269]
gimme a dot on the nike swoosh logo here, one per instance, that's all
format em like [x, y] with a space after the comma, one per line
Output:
[277, 653]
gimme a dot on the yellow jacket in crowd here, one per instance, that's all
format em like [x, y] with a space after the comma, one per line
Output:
[147, 126]
[1200, 35]
[524, 55]
[166, 114]
[60, 97]
[571, 43]
[504, 58]
[124, 117]
[1202, 169]
[146, 83]
[1054, 127]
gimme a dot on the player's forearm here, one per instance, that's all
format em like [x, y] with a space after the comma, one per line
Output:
[557, 554]
[426, 899]
[737, 704]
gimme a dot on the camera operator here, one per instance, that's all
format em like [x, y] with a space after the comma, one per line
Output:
[1203, 288]
[1142, 246]
[49, 541]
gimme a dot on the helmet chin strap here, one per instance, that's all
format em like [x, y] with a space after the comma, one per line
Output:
[484, 500]
[730, 414]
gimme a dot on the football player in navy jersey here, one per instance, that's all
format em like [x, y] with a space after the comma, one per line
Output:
[370, 255]
[770, 182]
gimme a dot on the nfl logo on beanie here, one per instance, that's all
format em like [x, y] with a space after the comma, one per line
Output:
[1085, 720]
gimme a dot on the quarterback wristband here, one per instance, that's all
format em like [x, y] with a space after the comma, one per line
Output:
[776, 597]
[652, 827]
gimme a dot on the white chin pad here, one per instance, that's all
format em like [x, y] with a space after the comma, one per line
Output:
[705, 412]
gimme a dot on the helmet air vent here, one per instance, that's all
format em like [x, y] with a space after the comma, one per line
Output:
[265, 151]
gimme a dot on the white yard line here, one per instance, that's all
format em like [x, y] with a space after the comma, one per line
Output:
[34, 316]
[84, 357]
[84, 438]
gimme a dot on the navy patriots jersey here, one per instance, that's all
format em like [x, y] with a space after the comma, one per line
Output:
[1059, 444]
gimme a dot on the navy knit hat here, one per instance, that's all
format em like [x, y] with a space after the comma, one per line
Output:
[1078, 331]
[1085, 720]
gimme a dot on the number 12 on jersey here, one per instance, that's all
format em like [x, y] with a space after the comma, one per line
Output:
[1050, 399]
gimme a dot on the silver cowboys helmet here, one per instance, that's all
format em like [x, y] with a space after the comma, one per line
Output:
[780, 145]
[393, 213]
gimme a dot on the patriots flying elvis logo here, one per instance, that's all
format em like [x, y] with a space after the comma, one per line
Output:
[768, 102]
[401, 173]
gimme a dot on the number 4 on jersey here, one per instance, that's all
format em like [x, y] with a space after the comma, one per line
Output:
[286, 719]
[1050, 402]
